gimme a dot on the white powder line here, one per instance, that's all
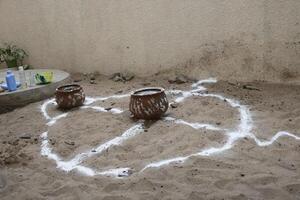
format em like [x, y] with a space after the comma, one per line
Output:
[79, 158]
[201, 82]
[117, 173]
[193, 125]
[131, 132]
[166, 162]
[102, 109]
[44, 108]
[88, 101]
[243, 130]
[182, 95]
[274, 138]
[56, 118]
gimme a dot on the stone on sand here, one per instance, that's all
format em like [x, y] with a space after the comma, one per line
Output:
[123, 77]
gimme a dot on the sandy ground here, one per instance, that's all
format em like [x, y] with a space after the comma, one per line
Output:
[246, 171]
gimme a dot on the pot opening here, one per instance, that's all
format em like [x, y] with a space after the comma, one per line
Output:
[148, 91]
[68, 88]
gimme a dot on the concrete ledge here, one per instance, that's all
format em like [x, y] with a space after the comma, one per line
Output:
[22, 97]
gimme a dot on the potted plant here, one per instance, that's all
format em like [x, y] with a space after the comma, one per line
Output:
[12, 55]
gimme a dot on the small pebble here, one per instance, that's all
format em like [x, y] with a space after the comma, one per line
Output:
[173, 105]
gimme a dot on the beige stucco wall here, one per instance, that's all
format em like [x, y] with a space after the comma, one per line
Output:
[229, 39]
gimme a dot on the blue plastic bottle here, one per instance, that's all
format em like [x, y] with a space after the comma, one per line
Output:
[11, 81]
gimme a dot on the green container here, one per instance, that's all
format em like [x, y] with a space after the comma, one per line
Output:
[43, 78]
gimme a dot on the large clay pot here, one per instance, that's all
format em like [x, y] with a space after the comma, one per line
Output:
[69, 96]
[148, 103]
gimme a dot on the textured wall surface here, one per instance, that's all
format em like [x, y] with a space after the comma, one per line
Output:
[228, 39]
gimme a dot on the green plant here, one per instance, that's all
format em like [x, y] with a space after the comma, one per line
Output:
[12, 55]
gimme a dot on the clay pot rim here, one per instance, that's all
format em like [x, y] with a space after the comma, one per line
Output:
[159, 90]
[78, 87]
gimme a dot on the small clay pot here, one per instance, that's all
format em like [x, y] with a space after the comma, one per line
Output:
[69, 96]
[148, 103]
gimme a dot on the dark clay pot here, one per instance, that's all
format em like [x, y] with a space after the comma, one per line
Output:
[69, 96]
[148, 103]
